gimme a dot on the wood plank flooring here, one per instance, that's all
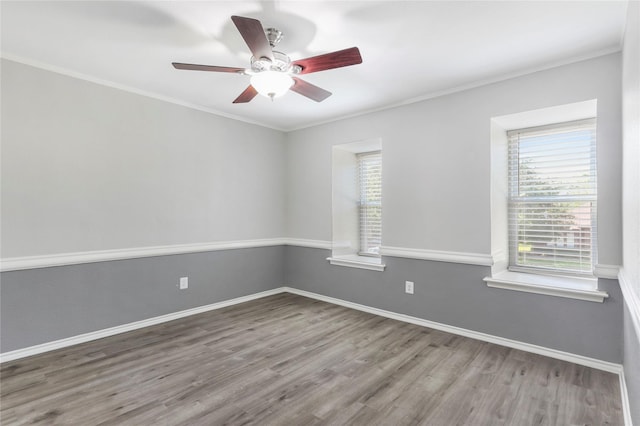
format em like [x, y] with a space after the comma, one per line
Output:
[290, 360]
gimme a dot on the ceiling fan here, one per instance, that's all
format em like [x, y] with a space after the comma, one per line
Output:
[272, 72]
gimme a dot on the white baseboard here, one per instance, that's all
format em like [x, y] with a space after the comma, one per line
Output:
[94, 335]
[626, 405]
[527, 347]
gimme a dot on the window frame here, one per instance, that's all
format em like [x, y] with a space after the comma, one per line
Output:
[345, 209]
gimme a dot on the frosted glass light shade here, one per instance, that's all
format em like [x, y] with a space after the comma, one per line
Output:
[271, 84]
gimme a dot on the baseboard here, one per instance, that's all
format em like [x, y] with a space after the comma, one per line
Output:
[632, 301]
[527, 347]
[94, 335]
[82, 338]
[626, 404]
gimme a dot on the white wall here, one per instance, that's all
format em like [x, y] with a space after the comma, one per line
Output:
[437, 161]
[630, 273]
[631, 148]
[344, 202]
[88, 167]
[499, 197]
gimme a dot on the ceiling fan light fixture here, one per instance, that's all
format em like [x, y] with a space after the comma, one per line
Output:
[272, 72]
[272, 84]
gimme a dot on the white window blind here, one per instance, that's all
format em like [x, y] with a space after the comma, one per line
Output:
[370, 205]
[552, 198]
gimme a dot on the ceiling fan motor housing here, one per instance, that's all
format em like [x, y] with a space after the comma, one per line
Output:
[280, 63]
[272, 72]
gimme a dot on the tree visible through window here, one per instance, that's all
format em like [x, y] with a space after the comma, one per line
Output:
[370, 204]
[552, 197]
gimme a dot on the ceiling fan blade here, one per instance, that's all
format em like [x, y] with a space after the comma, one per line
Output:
[309, 90]
[341, 58]
[195, 67]
[253, 34]
[248, 94]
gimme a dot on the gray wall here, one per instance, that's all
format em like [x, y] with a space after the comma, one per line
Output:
[436, 196]
[88, 167]
[43, 305]
[437, 164]
[455, 294]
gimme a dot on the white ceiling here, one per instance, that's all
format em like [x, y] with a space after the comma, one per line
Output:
[411, 49]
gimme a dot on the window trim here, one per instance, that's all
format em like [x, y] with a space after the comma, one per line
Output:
[532, 282]
[550, 285]
[357, 261]
[345, 206]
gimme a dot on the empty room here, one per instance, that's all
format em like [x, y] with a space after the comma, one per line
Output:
[320, 212]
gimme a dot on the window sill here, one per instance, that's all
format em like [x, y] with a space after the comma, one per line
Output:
[570, 287]
[361, 262]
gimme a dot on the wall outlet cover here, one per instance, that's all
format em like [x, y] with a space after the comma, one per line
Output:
[408, 287]
[184, 283]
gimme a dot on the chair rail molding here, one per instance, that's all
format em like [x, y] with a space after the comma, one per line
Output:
[62, 259]
[439, 255]
[606, 271]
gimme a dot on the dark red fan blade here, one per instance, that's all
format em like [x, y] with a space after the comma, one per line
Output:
[213, 68]
[248, 94]
[309, 90]
[253, 34]
[341, 58]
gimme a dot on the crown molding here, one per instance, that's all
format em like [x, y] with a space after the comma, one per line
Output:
[107, 83]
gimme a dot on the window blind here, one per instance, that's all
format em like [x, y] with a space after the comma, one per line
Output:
[552, 198]
[370, 203]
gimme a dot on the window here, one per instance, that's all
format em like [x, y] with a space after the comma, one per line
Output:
[552, 198]
[357, 205]
[370, 204]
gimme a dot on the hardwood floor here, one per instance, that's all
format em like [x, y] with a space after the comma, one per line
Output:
[290, 360]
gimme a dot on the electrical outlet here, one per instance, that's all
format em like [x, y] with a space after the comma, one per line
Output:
[408, 287]
[184, 283]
